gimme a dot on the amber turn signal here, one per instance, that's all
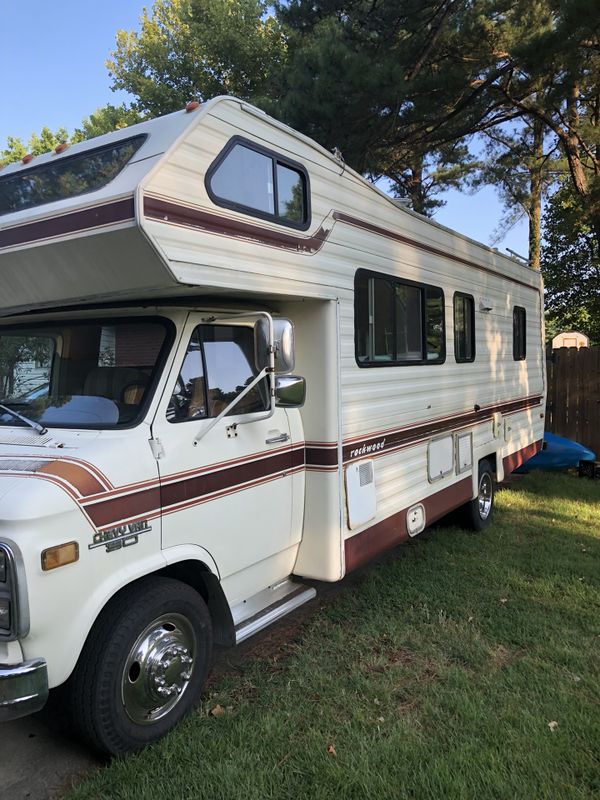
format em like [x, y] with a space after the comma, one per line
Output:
[60, 555]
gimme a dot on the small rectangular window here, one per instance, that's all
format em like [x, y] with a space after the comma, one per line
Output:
[464, 327]
[519, 333]
[250, 178]
[397, 322]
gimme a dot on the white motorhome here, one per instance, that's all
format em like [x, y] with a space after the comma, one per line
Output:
[169, 483]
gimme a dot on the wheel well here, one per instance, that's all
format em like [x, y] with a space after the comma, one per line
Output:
[197, 575]
[491, 459]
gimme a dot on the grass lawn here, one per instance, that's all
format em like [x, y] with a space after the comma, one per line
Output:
[462, 666]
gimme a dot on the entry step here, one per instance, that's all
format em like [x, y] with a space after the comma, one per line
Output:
[267, 606]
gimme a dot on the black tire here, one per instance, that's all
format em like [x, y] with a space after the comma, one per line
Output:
[134, 679]
[477, 513]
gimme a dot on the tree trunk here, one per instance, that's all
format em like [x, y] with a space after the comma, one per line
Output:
[536, 188]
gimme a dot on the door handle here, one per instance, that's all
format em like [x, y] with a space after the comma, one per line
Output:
[283, 437]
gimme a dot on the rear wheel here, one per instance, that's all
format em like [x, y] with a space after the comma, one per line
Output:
[477, 513]
[143, 665]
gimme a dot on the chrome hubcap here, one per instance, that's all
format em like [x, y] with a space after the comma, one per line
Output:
[485, 495]
[158, 668]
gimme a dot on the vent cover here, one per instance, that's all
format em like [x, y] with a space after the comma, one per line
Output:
[360, 493]
[365, 473]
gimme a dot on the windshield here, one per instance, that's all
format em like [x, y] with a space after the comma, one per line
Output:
[86, 374]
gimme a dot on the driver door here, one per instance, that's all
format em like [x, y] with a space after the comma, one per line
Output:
[231, 491]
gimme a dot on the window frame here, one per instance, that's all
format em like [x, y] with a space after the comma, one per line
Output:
[276, 158]
[394, 280]
[519, 354]
[457, 358]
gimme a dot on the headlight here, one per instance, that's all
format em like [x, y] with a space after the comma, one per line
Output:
[4, 614]
[2, 566]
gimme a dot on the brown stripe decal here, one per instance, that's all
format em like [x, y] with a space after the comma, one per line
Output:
[192, 489]
[85, 483]
[105, 513]
[319, 457]
[378, 443]
[514, 460]
[391, 531]
[75, 222]
[164, 211]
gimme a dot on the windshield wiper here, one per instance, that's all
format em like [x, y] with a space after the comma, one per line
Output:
[35, 425]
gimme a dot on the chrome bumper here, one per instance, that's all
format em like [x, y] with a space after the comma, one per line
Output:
[23, 688]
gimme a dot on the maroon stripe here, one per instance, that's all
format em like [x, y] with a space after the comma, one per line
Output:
[113, 510]
[514, 460]
[392, 531]
[321, 457]
[197, 487]
[108, 214]
[398, 237]
[164, 211]
[381, 442]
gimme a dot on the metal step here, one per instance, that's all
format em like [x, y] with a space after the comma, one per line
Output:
[267, 606]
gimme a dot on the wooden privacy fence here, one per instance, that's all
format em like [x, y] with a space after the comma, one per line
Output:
[573, 408]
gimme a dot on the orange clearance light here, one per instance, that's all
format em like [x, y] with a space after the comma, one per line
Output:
[60, 148]
[29, 157]
[192, 106]
[60, 555]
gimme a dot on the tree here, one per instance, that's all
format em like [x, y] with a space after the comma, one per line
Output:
[522, 164]
[197, 49]
[104, 120]
[571, 265]
[37, 144]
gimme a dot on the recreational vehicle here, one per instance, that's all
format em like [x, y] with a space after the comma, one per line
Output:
[253, 372]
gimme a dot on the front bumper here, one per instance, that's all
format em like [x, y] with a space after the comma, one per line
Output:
[23, 688]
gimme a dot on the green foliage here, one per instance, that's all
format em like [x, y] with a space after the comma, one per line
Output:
[197, 49]
[15, 353]
[103, 120]
[37, 144]
[571, 265]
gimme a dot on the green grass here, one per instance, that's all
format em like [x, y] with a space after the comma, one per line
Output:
[435, 675]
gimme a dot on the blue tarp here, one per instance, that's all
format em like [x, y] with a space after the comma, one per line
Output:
[558, 453]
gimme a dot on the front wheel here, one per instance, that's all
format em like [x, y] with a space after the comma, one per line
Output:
[477, 513]
[143, 665]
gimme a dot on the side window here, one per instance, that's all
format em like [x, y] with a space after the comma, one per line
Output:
[218, 365]
[188, 400]
[519, 333]
[249, 178]
[464, 327]
[397, 322]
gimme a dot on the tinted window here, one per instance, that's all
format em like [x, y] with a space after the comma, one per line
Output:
[464, 327]
[188, 400]
[228, 353]
[249, 178]
[290, 194]
[245, 177]
[397, 322]
[68, 176]
[519, 333]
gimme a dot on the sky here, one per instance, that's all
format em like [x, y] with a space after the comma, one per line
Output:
[52, 59]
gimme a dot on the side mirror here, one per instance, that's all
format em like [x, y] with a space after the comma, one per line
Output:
[283, 336]
[290, 391]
